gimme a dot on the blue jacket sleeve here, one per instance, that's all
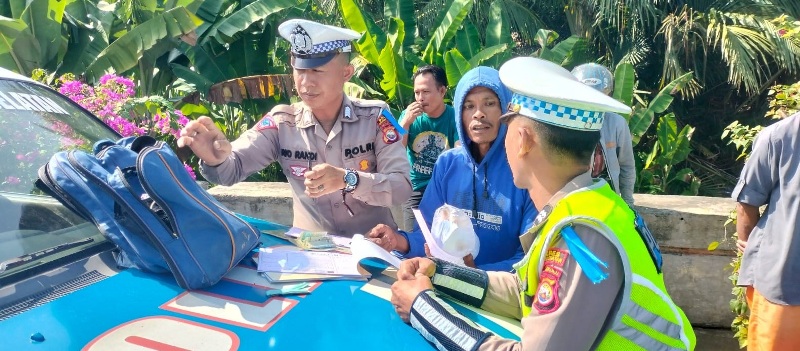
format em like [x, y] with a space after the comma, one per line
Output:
[432, 199]
[529, 213]
[505, 265]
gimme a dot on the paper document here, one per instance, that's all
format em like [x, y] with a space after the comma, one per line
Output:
[435, 250]
[283, 260]
[363, 248]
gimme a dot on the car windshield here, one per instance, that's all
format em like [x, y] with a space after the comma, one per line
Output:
[35, 123]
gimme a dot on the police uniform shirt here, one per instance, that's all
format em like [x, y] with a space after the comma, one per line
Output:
[361, 139]
[582, 311]
[578, 318]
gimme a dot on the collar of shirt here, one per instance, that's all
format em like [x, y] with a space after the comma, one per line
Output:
[581, 181]
[347, 114]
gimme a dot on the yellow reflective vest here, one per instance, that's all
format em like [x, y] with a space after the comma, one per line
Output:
[646, 319]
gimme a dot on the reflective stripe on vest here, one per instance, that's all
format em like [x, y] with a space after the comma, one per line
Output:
[647, 317]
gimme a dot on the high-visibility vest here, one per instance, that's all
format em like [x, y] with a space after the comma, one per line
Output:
[647, 318]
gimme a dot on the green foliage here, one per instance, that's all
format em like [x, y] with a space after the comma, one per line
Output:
[741, 136]
[785, 101]
[32, 37]
[672, 146]
[390, 57]
[738, 304]
[644, 113]
[567, 53]
[128, 51]
[624, 83]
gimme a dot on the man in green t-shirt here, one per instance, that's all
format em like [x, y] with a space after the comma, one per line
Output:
[431, 126]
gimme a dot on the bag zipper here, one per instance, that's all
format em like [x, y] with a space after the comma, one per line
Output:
[155, 242]
[161, 201]
[47, 180]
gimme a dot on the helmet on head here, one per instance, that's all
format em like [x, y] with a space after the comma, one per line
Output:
[595, 76]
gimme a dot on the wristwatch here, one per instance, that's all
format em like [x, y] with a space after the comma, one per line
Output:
[350, 180]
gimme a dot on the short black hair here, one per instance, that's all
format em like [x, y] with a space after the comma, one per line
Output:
[437, 72]
[563, 142]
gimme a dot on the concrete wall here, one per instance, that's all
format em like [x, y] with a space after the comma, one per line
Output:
[684, 226]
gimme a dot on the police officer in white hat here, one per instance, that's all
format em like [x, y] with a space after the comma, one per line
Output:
[591, 275]
[340, 155]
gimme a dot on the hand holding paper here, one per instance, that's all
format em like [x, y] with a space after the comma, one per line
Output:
[363, 248]
[451, 237]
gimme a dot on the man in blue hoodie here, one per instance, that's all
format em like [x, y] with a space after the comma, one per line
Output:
[475, 178]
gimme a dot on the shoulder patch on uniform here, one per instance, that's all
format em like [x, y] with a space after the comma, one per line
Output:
[546, 299]
[390, 135]
[266, 123]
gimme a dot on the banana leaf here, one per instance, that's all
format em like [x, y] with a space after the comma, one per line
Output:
[43, 18]
[215, 68]
[455, 65]
[447, 23]
[404, 10]
[125, 52]
[487, 54]
[227, 28]
[498, 31]
[642, 117]
[248, 55]
[395, 80]
[19, 50]
[372, 42]
[200, 82]
[624, 83]
[468, 40]
[674, 146]
[88, 26]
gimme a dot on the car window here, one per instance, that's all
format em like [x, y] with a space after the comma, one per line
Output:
[35, 123]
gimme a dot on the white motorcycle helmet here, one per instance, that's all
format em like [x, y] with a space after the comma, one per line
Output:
[595, 76]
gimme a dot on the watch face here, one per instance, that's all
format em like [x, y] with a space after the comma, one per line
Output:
[351, 178]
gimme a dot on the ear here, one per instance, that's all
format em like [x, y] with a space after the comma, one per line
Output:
[442, 90]
[526, 141]
[349, 70]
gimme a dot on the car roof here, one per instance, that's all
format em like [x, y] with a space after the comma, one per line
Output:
[6, 74]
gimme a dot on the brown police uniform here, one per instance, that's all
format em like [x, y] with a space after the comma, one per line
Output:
[361, 139]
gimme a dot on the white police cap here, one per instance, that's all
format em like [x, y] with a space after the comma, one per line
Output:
[315, 44]
[546, 92]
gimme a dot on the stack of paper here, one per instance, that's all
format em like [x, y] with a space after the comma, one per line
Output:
[288, 264]
[282, 264]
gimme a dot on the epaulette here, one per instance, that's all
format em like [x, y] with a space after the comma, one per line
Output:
[368, 109]
[284, 113]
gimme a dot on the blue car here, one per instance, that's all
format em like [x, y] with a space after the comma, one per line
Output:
[60, 288]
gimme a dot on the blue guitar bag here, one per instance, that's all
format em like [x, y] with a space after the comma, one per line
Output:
[141, 197]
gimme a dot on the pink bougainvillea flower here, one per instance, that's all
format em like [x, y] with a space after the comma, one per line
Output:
[12, 180]
[190, 170]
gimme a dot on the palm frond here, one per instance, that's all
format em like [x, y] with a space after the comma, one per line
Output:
[683, 39]
[789, 7]
[522, 20]
[628, 16]
[751, 47]
[636, 52]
